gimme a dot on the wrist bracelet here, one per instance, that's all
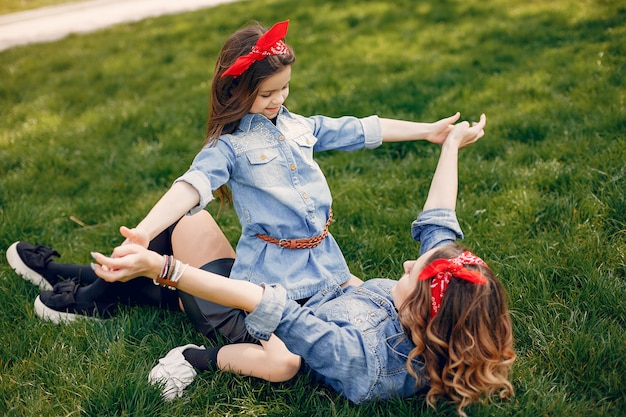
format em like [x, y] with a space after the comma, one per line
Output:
[164, 268]
[171, 272]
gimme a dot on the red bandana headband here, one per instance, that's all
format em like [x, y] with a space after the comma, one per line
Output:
[270, 43]
[442, 270]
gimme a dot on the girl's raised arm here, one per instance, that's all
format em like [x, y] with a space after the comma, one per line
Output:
[401, 130]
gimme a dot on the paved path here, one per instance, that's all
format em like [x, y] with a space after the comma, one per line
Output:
[49, 24]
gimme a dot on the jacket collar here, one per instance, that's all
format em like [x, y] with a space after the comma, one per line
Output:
[251, 119]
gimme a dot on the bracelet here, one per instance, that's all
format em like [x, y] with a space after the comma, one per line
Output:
[164, 270]
[171, 272]
[179, 270]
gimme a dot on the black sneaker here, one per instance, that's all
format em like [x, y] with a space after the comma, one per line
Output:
[68, 302]
[30, 261]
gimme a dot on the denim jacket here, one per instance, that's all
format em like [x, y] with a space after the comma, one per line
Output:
[352, 338]
[279, 190]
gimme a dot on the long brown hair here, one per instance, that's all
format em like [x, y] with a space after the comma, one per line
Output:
[468, 346]
[232, 97]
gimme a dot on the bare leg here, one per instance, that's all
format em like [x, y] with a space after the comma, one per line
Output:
[198, 240]
[271, 360]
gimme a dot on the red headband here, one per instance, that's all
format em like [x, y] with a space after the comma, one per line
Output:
[442, 270]
[270, 43]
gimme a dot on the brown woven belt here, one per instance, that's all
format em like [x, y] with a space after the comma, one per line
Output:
[303, 243]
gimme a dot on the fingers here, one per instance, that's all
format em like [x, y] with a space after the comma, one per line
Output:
[106, 274]
[135, 235]
[464, 133]
[481, 123]
[107, 262]
[118, 258]
[101, 268]
[452, 119]
[115, 267]
[127, 233]
[480, 126]
[476, 127]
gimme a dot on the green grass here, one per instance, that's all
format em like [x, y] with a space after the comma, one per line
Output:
[94, 128]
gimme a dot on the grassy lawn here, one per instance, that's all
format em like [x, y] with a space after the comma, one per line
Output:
[95, 128]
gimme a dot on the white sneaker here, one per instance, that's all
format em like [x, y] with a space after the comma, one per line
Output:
[173, 372]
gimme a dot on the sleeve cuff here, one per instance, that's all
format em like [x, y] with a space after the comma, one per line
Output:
[201, 183]
[372, 131]
[435, 227]
[264, 320]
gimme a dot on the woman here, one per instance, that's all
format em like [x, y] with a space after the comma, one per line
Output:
[443, 327]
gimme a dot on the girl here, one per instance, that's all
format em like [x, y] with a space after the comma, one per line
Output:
[264, 154]
[443, 327]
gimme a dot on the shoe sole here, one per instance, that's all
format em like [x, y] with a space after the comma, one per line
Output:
[58, 317]
[24, 271]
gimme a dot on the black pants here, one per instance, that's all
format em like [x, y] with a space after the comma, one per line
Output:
[207, 317]
[210, 318]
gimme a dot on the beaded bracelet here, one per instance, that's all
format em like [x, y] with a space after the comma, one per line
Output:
[171, 272]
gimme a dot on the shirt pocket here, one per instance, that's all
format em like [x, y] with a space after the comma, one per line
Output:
[264, 166]
[304, 145]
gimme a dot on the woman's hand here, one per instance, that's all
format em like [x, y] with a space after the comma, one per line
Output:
[462, 135]
[128, 261]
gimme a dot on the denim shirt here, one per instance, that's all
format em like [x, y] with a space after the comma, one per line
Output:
[279, 190]
[352, 338]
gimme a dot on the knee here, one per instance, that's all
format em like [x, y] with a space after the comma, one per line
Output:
[284, 367]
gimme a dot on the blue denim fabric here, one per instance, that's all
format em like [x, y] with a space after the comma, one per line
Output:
[436, 227]
[352, 338]
[279, 190]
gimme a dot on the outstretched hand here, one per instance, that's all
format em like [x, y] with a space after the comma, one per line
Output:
[441, 129]
[462, 134]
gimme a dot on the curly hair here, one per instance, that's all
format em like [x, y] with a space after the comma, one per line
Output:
[232, 97]
[468, 346]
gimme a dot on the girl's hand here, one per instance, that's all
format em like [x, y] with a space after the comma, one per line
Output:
[462, 135]
[135, 235]
[441, 129]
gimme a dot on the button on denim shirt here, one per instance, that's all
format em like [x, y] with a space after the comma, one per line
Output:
[352, 338]
[279, 190]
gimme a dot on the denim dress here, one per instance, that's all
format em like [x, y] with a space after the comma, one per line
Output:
[279, 190]
[351, 338]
